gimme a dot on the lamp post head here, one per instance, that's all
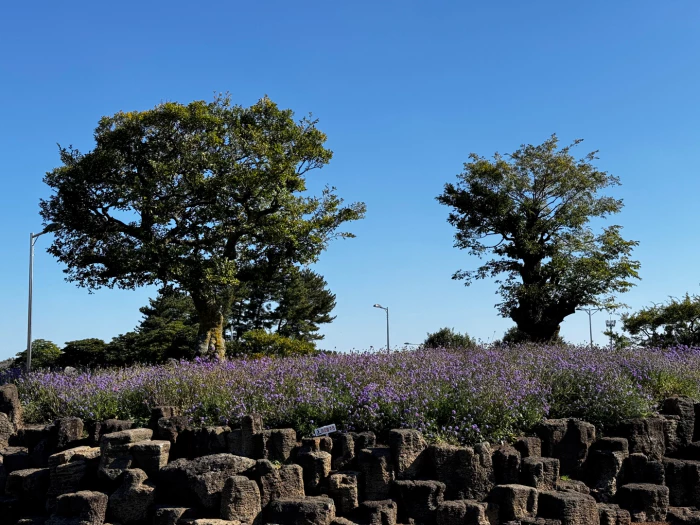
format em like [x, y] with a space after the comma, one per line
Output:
[377, 305]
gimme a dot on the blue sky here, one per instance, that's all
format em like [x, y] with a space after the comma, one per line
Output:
[405, 91]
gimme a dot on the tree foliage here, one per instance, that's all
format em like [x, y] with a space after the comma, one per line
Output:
[45, 354]
[676, 322]
[448, 338]
[189, 194]
[85, 353]
[531, 210]
[258, 343]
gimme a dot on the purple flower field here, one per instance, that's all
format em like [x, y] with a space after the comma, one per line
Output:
[461, 396]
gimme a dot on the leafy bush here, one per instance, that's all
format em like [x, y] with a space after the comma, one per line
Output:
[45, 354]
[448, 338]
[259, 343]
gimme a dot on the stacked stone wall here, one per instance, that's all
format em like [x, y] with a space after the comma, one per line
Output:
[173, 473]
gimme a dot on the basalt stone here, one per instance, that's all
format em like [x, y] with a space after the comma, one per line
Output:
[343, 450]
[3, 476]
[115, 452]
[407, 449]
[80, 508]
[172, 515]
[567, 440]
[364, 440]
[573, 485]
[131, 502]
[645, 502]
[276, 444]
[16, 458]
[538, 521]
[684, 407]
[571, 508]
[343, 488]
[317, 467]
[234, 442]
[418, 500]
[540, 473]
[638, 469]
[603, 466]
[645, 436]
[210, 521]
[317, 444]
[683, 516]
[199, 482]
[30, 435]
[378, 512]
[671, 434]
[150, 456]
[377, 472]
[109, 426]
[301, 511]
[176, 430]
[240, 499]
[682, 477]
[65, 433]
[10, 405]
[161, 412]
[514, 501]
[71, 471]
[275, 483]
[610, 514]
[467, 472]
[529, 447]
[251, 426]
[7, 430]
[506, 465]
[461, 512]
[210, 440]
[29, 487]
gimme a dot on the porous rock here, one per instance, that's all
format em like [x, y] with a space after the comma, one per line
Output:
[514, 501]
[645, 502]
[131, 502]
[240, 499]
[301, 511]
[571, 508]
[467, 472]
[377, 470]
[115, 453]
[540, 473]
[567, 440]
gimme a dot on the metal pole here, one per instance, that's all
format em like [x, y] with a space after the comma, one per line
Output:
[29, 308]
[590, 312]
[387, 329]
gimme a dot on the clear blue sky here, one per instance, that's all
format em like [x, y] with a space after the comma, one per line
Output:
[405, 91]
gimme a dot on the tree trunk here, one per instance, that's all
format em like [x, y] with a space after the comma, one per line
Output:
[210, 339]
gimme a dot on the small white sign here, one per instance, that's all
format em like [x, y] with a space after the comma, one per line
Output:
[324, 431]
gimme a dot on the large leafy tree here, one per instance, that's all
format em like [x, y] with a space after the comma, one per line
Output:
[188, 194]
[45, 354]
[676, 322]
[531, 210]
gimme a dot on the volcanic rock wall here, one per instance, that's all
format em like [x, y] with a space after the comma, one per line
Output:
[173, 473]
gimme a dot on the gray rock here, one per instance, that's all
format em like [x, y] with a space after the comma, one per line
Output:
[16, 458]
[343, 488]
[84, 507]
[7, 429]
[604, 465]
[275, 483]
[540, 473]
[529, 447]
[109, 426]
[568, 440]
[461, 512]
[418, 500]
[240, 499]
[251, 426]
[301, 511]
[613, 515]
[573, 485]
[682, 477]
[150, 456]
[683, 516]
[317, 467]
[65, 433]
[115, 451]
[645, 502]
[684, 408]
[199, 482]
[645, 436]
[407, 449]
[506, 465]
[71, 471]
[131, 502]
[378, 512]
[29, 486]
[172, 515]
[467, 472]
[343, 451]
[571, 508]
[514, 501]
[276, 444]
[10, 405]
[377, 471]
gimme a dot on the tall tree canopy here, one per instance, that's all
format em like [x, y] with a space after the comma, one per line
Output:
[674, 323]
[531, 210]
[187, 195]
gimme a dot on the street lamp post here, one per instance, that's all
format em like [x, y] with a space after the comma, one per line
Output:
[387, 323]
[32, 241]
[610, 324]
[590, 312]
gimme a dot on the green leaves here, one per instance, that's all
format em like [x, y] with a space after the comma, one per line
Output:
[188, 194]
[531, 210]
